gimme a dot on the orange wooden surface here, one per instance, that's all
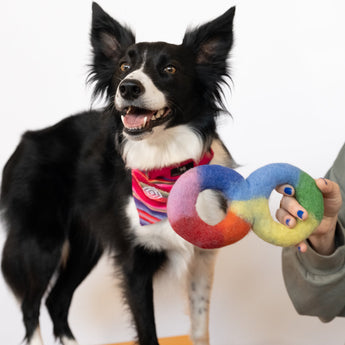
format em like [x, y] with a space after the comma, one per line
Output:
[181, 340]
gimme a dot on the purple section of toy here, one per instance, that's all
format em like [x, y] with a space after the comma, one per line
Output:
[182, 199]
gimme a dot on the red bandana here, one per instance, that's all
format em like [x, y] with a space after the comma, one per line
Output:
[151, 188]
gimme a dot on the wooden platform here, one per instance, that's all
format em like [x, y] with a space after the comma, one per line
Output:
[180, 340]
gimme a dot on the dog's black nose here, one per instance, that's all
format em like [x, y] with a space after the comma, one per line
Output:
[131, 89]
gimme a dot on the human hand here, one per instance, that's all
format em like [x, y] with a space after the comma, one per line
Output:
[322, 239]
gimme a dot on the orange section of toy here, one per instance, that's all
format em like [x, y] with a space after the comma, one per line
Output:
[180, 340]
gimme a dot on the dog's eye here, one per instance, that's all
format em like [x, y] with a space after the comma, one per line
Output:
[170, 69]
[124, 67]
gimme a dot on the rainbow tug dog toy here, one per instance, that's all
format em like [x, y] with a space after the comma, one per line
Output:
[248, 205]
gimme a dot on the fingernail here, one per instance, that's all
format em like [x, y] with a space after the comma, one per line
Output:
[288, 190]
[300, 214]
[287, 222]
[325, 181]
[299, 248]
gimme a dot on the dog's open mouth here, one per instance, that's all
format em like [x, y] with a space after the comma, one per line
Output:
[138, 120]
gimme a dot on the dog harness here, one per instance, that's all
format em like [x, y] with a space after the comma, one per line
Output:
[151, 188]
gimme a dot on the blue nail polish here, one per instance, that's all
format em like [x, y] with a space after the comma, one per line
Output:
[288, 190]
[300, 214]
[299, 248]
[287, 222]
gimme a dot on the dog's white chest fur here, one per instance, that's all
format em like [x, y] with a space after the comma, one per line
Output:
[165, 146]
[157, 236]
[161, 237]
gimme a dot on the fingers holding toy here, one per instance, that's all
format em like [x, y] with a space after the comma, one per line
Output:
[286, 218]
[302, 247]
[322, 239]
[286, 189]
[282, 214]
[290, 210]
[291, 181]
[289, 205]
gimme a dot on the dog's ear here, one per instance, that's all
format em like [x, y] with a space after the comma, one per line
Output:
[211, 44]
[109, 39]
[212, 41]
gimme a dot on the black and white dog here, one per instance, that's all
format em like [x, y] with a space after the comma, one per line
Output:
[67, 190]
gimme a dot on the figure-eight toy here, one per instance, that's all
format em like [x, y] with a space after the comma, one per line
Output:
[248, 207]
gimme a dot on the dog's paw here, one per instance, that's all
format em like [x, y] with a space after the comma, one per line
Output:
[67, 341]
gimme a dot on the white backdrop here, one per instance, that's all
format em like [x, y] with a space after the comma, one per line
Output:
[287, 102]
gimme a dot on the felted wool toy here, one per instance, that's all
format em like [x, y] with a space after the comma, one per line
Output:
[248, 207]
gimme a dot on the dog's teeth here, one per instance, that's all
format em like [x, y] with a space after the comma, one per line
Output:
[159, 113]
[153, 117]
[145, 120]
[129, 109]
[123, 119]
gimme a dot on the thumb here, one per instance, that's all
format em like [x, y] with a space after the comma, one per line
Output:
[331, 196]
[328, 188]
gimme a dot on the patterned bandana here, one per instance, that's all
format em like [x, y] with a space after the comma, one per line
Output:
[151, 188]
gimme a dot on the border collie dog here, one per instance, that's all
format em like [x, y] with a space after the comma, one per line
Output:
[98, 181]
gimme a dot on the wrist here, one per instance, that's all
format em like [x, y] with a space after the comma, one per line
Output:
[323, 239]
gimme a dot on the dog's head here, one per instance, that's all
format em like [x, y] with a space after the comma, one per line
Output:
[160, 85]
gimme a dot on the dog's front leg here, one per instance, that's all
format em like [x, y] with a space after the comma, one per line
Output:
[200, 285]
[139, 267]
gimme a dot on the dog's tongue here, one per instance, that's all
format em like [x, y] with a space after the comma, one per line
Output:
[135, 118]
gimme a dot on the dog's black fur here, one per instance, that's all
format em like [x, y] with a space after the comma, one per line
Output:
[65, 189]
